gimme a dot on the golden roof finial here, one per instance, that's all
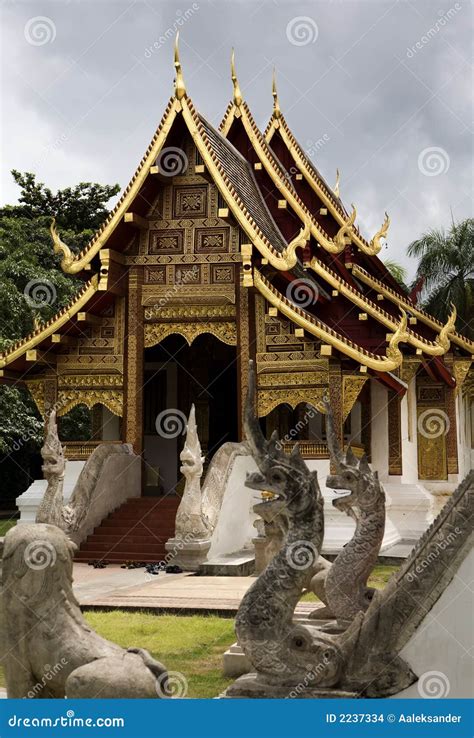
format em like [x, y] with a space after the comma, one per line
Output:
[449, 327]
[335, 189]
[60, 247]
[276, 104]
[235, 82]
[179, 86]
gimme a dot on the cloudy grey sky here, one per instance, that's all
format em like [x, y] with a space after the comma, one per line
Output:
[380, 89]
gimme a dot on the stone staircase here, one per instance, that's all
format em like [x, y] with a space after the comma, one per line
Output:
[136, 531]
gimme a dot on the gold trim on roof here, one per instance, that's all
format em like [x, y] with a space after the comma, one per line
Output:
[59, 247]
[283, 182]
[53, 325]
[276, 104]
[235, 81]
[393, 358]
[100, 238]
[179, 86]
[417, 312]
[327, 197]
[431, 348]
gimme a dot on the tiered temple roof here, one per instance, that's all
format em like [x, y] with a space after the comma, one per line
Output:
[294, 227]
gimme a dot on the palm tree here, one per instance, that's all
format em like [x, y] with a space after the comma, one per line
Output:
[446, 268]
[398, 272]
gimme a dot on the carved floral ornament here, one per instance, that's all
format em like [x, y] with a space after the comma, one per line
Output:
[351, 388]
[224, 331]
[269, 399]
[111, 399]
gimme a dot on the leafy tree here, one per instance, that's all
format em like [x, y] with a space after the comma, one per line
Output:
[33, 288]
[446, 266]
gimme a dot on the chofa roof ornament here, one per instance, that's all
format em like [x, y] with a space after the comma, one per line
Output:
[237, 92]
[179, 86]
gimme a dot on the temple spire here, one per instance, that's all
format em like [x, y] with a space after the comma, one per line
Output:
[335, 189]
[179, 86]
[235, 82]
[276, 104]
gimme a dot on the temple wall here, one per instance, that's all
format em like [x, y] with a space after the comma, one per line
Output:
[409, 438]
[442, 643]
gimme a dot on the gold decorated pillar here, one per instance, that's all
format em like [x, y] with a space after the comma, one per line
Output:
[452, 434]
[394, 434]
[335, 398]
[134, 362]
[243, 351]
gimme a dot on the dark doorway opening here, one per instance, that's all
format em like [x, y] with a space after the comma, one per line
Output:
[176, 376]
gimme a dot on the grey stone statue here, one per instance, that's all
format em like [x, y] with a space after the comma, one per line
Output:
[50, 651]
[302, 661]
[343, 585]
[52, 509]
[279, 650]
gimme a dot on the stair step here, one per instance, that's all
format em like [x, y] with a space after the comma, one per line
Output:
[119, 558]
[136, 531]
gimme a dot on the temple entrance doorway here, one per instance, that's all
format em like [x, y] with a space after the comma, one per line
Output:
[176, 376]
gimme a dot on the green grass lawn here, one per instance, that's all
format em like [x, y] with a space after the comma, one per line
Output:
[192, 645]
[5, 526]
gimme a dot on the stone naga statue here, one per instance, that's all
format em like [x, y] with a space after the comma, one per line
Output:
[343, 586]
[192, 519]
[280, 651]
[52, 509]
[43, 626]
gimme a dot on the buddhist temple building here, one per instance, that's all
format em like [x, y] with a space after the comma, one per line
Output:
[229, 245]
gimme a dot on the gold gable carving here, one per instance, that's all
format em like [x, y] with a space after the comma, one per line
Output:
[113, 400]
[269, 399]
[36, 389]
[351, 388]
[224, 331]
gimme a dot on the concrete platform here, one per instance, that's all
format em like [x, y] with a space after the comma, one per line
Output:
[135, 589]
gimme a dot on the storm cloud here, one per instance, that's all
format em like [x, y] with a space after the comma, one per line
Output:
[380, 90]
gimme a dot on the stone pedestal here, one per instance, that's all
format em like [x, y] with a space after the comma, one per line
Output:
[252, 686]
[189, 555]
